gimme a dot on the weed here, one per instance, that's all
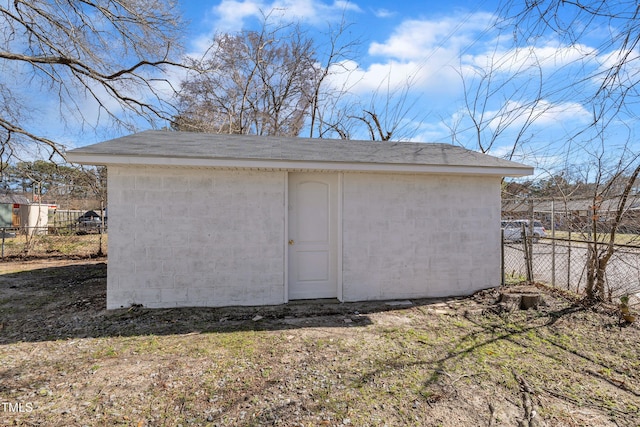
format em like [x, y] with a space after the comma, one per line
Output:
[102, 353]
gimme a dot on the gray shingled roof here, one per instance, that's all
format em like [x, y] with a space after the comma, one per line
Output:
[188, 145]
[10, 198]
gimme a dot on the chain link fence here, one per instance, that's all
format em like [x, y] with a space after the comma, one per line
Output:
[559, 256]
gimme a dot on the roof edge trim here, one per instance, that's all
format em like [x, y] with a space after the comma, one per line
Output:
[106, 160]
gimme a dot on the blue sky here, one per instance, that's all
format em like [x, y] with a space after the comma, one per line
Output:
[434, 46]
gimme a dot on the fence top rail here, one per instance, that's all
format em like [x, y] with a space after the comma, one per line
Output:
[585, 241]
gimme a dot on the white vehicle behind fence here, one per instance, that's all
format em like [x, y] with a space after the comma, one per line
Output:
[513, 229]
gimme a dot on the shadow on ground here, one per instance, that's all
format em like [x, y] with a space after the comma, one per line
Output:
[69, 302]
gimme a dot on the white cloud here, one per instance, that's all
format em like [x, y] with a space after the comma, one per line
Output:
[423, 54]
[551, 124]
[416, 39]
[432, 132]
[231, 14]
[435, 77]
[551, 56]
[621, 64]
[431, 52]
[383, 13]
[545, 113]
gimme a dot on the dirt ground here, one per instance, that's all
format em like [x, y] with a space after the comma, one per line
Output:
[66, 361]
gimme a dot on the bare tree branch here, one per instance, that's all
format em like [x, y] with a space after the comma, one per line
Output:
[257, 82]
[112, 52]
[609, 90]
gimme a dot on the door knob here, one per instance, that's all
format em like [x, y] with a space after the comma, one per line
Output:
[291, 242]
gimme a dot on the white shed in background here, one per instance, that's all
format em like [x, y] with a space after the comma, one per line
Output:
[34, 218]
[218, 220]
[16, 211]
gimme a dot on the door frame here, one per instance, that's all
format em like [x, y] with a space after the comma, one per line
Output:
[285, 241]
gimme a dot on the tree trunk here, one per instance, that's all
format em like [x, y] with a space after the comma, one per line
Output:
[597, 263]
[600, 276]
[592, 258]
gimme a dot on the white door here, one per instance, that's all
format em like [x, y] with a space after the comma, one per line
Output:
[313, 219]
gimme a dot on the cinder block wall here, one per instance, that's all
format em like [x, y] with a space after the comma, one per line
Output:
[410, 236]
[195, 237]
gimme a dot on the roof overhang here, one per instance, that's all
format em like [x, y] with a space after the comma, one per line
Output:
[120, 160]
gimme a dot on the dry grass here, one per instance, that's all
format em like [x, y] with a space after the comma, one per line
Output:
[51, 245]
[457, 362]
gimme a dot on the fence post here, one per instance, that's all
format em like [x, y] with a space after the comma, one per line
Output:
[553, 244]
[502, 279]
[527, 254]
[100, 228]
[569, 262]
[531, 239]
[4, 231]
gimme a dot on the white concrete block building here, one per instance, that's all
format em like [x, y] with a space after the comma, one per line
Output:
[219, 220]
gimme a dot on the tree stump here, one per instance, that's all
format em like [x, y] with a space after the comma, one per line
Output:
[530, 301]
[510, 302]
[513, 301]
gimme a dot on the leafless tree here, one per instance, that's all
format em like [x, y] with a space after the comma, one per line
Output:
[339, 111]
[328, 115]
[609, 88]
[612, 184]
[502, 102]
[110, 54]
[255, 82]
[278, 81]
